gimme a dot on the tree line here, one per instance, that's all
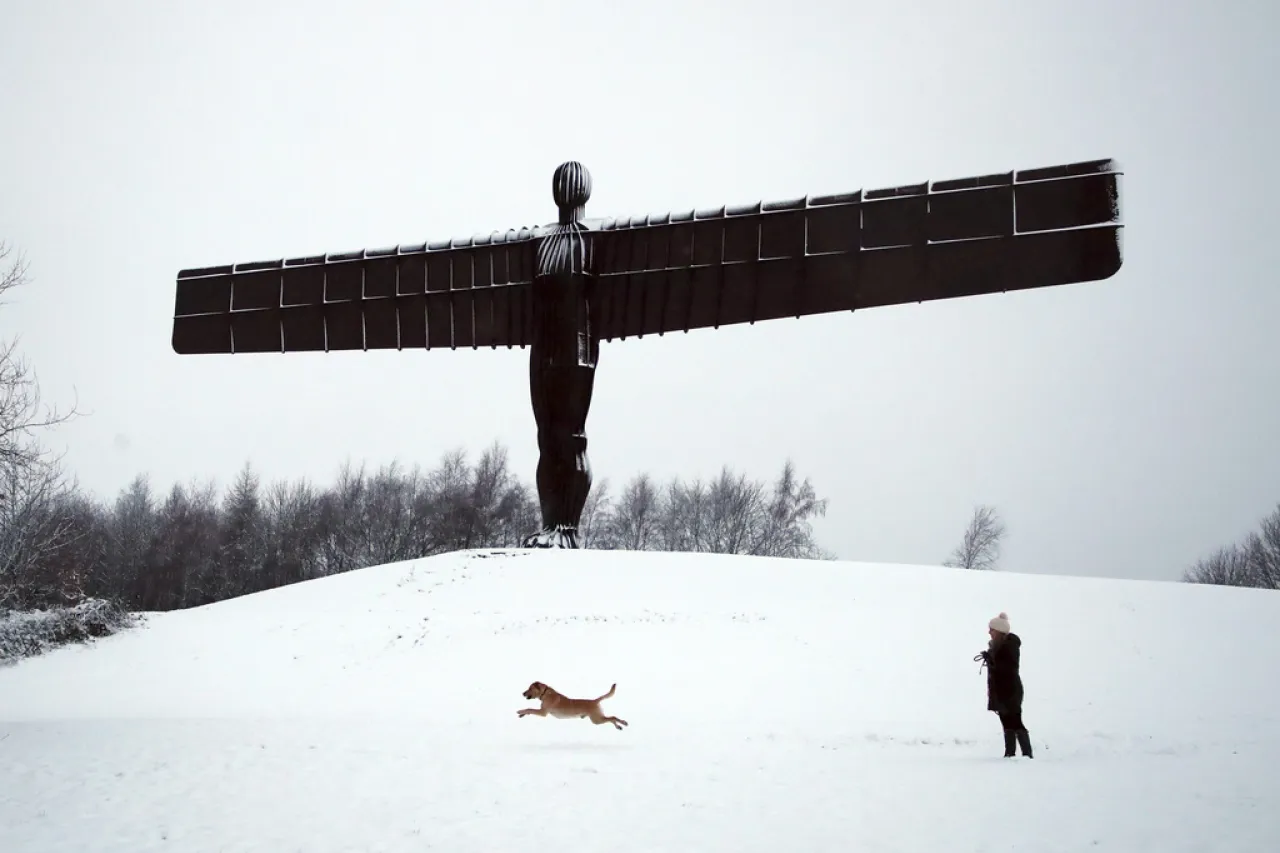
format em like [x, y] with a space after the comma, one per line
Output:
[191, 545]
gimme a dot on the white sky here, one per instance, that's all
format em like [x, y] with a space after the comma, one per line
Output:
[1122, 428]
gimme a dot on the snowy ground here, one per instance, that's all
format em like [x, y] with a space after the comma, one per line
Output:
[774, 706]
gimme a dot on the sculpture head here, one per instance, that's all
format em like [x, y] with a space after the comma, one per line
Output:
[571, 189]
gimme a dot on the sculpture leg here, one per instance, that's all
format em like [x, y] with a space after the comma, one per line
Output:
[561, 400]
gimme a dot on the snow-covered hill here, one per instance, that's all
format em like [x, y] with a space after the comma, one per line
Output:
[773, 705]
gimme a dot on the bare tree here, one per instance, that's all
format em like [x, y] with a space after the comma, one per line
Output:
[1253, 563]
[498, 500]
[634, 518]
[134, 528]
[1227, 566]
[32, 482]
[22, 412]
[293, 512]
[34, 528]
[595, 514]
[735, 508]
[79, 564]
[387, 523]
[1264, 553]
[980, 548]
[786, 530]
[339, 512]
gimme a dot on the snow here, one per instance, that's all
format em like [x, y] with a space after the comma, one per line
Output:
[773, 705]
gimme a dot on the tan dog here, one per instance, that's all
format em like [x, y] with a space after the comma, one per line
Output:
[562, 707]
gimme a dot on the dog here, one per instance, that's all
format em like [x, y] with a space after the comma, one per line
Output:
[563, 708]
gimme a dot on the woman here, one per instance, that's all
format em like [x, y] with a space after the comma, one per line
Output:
[1004, 684]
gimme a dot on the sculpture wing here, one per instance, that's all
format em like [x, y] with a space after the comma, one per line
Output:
[457, 293]
[937, 240]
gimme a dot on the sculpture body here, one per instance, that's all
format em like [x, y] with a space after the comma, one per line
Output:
[563, 353]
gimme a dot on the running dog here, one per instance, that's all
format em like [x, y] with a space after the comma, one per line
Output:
[563, 708]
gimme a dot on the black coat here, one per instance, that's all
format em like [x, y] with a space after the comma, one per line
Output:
[1004, 684]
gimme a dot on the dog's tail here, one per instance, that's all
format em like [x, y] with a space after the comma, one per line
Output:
[612, 688]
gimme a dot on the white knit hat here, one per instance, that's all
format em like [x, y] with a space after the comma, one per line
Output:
[1000, 623]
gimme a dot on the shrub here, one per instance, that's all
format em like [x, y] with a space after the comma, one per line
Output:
[25, 634]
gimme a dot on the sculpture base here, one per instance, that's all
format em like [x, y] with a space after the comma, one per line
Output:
[560, 536]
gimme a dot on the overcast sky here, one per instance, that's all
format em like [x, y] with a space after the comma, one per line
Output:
[1122, 428]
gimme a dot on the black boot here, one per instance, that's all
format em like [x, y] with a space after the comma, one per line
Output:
[1024, 741]
[1009, 735]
